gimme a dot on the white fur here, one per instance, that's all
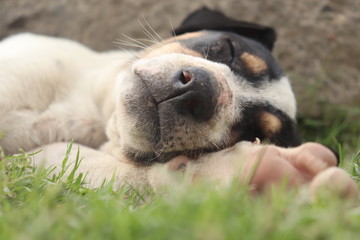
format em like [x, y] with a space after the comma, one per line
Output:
[56, 84]
[54, 90]
[100, 167]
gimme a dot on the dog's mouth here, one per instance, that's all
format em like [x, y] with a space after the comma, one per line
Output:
[162, 157]
[163, 144]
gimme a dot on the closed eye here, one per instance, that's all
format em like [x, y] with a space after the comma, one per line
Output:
[232, 50]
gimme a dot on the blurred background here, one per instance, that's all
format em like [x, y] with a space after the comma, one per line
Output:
[318, 41]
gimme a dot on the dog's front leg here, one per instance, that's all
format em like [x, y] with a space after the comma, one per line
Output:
[97, 167]
[311, 166]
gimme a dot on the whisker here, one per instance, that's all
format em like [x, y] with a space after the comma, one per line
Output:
[207, 52]
[148, 33]
[175, 36]
[136, 56]
[152, 29]
[128, 44]
[119, 43]
[135, 40]
[216, 146]
[172, 29]
[148, 40]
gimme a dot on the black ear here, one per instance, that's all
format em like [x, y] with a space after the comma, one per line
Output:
[205, 18]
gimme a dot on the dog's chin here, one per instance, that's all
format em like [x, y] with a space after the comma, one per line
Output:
[148, 158]
[140, 157]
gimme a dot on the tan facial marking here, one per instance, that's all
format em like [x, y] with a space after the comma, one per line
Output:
[169, 48]
[188, 35]
[270, 124]
[253, 63]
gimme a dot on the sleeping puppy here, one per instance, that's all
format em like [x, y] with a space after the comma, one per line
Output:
[197, 92]
[191, 95]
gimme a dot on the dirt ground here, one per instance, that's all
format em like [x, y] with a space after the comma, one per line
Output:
[318, 41]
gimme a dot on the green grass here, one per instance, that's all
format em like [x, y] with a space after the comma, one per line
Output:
[34, 204]
[337, 128]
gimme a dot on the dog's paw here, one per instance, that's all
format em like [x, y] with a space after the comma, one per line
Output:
[310, 158]
[311, 165]
[334, 181]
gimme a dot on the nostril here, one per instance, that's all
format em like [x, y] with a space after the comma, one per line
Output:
[185, 77]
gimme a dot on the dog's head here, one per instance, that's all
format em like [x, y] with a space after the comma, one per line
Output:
[203, 91]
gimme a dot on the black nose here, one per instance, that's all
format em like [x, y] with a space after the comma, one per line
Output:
[196, 91]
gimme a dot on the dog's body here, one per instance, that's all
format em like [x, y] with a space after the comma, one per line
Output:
[179, 99]
[65, 91]
[55, 90]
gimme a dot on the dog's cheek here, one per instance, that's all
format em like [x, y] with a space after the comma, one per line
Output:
[279, 130]
[136, 115]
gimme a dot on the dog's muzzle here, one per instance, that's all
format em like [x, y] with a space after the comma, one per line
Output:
[173, 105]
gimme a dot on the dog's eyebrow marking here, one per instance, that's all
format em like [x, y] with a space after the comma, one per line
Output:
[173, 47]
[253, 63]
[270, 124]
[188, 35]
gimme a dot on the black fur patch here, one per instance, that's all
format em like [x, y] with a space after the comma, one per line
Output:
[206, 19]
[226, 48]
[250, 126]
